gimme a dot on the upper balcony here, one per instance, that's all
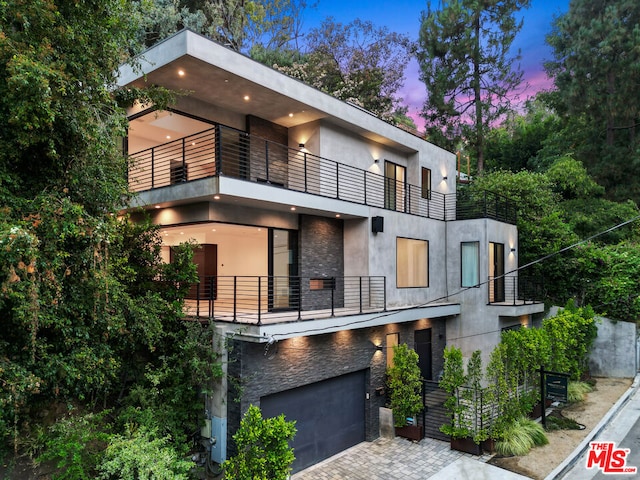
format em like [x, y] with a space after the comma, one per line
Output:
[227, 152]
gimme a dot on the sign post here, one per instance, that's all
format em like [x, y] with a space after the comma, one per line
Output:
[556, 386]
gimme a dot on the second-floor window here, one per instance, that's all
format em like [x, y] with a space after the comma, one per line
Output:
[470, 263]
[412, 263]
[394, 186]
[426, 183]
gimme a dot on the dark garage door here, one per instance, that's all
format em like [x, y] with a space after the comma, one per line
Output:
[329, 416]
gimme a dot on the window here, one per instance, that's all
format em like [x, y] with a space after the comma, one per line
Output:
[426, 183]
[412, 263]
[392, 341]
[394, 186]
[470, 263]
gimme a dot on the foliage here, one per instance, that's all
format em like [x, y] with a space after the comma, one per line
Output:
[571, 334]
[404, 382]
[596, 56]
[520, 437]
[263, 449]
[464, 62]
[355, 62]
[76, 443]
[90, 313]
[240, 24]
[453, 378]
[577, 391]
[141, 455]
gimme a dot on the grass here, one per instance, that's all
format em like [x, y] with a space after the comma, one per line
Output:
[577, 391]
[520, 437]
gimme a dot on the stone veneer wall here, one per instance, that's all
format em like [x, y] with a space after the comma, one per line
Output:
[301, 361]
[321, 256]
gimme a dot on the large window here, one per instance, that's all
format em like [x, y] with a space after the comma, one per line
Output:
[412, 263]
[470, 262]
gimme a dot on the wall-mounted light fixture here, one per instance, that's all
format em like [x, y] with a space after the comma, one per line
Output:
[379, 348]
[513, 250]
[444, 179]
[376, 160]
[301, 145]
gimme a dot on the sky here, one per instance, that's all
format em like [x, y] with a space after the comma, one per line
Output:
[403, 16]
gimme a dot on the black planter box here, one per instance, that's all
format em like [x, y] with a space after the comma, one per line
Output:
[466, 445]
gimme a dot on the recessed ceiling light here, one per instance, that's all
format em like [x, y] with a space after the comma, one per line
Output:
[213, 229]
[168, 137]
[216, 197]
[246, 98]
[291, 115]
[181, 73]
[293, 209]
[158, 206]
[337, 215]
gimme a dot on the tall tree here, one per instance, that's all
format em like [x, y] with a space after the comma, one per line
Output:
[465, 62]
[356, 62]
[596, 48]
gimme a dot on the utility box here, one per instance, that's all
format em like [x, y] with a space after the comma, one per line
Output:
[218, 439]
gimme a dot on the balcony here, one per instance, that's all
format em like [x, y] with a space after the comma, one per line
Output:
[224, 151]
[515, 291]
[260, 300]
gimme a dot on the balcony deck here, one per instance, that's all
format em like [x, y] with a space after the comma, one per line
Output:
[224, 151]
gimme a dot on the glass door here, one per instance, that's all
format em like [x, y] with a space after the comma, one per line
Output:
[394, 186]
[283, 269]
[496, 272]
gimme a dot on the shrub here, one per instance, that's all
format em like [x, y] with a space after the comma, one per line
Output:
[521, 436]
[76, 445]
[142, 455]
[577, 391]
[263, 448]
[404, 382]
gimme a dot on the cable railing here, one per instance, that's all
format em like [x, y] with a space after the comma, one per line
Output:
[226, 151]
[274, 299]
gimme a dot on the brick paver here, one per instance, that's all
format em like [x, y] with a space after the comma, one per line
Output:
[387, 459]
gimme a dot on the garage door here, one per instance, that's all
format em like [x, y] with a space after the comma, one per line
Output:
[329, 416]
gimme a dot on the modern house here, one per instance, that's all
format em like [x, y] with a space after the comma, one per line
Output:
[327, 236]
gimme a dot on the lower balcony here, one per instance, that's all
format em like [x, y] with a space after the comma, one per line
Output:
[262, 300]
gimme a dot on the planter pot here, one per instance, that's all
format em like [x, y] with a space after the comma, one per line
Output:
[412, 432]
[466, 445]
[488, 445]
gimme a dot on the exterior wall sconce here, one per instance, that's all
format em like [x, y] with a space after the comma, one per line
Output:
[444, 179]
[301, 145]
[379, 348]
[513, 250]
[376, 160]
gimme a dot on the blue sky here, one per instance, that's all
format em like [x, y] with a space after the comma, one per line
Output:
[403, 16]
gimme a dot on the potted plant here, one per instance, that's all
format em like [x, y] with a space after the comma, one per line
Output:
[458, 403]
[404, 383]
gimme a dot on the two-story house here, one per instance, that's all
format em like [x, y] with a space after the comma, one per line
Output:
[327, 236]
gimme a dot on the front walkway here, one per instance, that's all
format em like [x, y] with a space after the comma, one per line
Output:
[391, 459]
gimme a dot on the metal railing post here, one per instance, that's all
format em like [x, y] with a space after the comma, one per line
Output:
[266, 159]
[235, 298]
[217, 141]
[212, 296]
[305, 172]
[299, 298]
[360, 280]
[384, 294]
[153, 167]
[259, 300]
[184, 161]
[337, 180]
[333, 289]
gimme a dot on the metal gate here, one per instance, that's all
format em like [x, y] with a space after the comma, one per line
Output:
[434, 414]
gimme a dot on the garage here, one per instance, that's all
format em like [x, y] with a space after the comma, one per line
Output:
[329, 415]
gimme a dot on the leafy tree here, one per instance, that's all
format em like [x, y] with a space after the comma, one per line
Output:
[355, 62]
[85, 321]
[465, 64]
[596, 48]
[240, 24]
[263, 448]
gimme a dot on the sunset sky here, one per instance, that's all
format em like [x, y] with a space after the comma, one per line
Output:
[403, 16]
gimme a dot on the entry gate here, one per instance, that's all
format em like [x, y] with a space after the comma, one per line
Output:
[434, 414]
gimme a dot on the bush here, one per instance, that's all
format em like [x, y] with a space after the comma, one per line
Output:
[404, 382]
[142, 455]
[577, 391]
[520, 437]
[76, 445]
[263, 448]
